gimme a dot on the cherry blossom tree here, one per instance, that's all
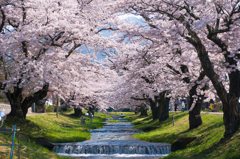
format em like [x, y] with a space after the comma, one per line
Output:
[42, 45]
[93, 92]
[140, 84]
[211, 29]
[158, 75]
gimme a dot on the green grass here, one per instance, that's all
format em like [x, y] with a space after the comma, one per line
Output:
[114, 121]
[65, 128]
[28, 148]
[208, 144]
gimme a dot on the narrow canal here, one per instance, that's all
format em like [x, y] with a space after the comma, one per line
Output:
[113, 141]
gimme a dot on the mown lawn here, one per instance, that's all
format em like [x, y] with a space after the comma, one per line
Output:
[114, 121]
[208, 144]
[65, 128]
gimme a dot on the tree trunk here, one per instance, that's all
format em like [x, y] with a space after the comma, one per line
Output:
[16, 110]
[19, 107]
[229, 100]
[195, 119]
[143, 110]
[15, 100]
[159, 107]
[155, 109]
[231, 116]
[136, 110]
[25, 108]
[91, 109]
[164, 106]
[78, 112]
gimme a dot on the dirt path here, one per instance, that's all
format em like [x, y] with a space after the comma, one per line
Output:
[31, 114]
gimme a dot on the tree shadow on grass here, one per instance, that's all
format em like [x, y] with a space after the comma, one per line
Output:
[176, 117]
[208, 128]
[165, 138]
[73, 116]
[168, 137]
[26, 126]
[218, 149]
[216, 145]
[155, 124]
[204, 128]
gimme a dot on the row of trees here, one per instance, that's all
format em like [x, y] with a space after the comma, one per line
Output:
[184, 48]
[180, 48]
[49, 45]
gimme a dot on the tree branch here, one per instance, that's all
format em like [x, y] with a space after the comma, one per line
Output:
[72, 49]
[3, 20]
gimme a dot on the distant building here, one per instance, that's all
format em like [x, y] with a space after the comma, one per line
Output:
[49, 100]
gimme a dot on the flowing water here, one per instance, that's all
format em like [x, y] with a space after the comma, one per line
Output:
[113, 141]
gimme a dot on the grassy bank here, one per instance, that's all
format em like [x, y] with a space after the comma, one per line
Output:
[209, 142]
[65, 128]
[114, 121]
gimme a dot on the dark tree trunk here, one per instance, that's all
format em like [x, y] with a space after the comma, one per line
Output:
[16, 110]
[15, 100]
[229, 100]
[231, 116]
[136, 110]
[159, 107]
[194, 115]
[91, 109]
[154, 108]
[164, 106]
[195, 119]
[19, 107]
[143, 110]
[78, 112]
